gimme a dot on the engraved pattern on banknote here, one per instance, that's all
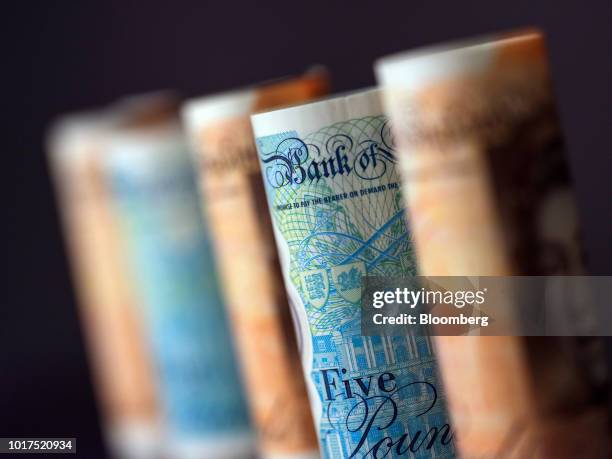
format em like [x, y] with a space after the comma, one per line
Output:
[335, 198]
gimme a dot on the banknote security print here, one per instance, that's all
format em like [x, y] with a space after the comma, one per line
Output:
[333, 191]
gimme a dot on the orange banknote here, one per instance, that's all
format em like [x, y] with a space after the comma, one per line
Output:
[488, 191]
[120, 359]
[235, 204]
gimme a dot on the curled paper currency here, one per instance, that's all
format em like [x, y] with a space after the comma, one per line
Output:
[155, 195]
[241, 230]
[488, 191]
[334, 195]
[120, 359]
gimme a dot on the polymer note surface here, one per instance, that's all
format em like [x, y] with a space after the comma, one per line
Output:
[335, 200]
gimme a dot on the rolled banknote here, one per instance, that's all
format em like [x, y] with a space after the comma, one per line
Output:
[121, 365]
[222, 136]
[488, 192]
[156, 198]
[334, 196]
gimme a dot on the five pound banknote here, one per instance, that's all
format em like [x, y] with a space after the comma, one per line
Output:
[155, 193]
[334, 195]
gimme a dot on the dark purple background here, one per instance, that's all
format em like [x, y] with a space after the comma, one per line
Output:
[65, 56]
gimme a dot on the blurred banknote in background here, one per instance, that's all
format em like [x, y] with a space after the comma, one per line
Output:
[488, 190]
[156, 201]
[333, 191]
[119, 355]
[231, 185]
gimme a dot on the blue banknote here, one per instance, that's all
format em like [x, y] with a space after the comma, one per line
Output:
[167, 243]
[335, 200]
